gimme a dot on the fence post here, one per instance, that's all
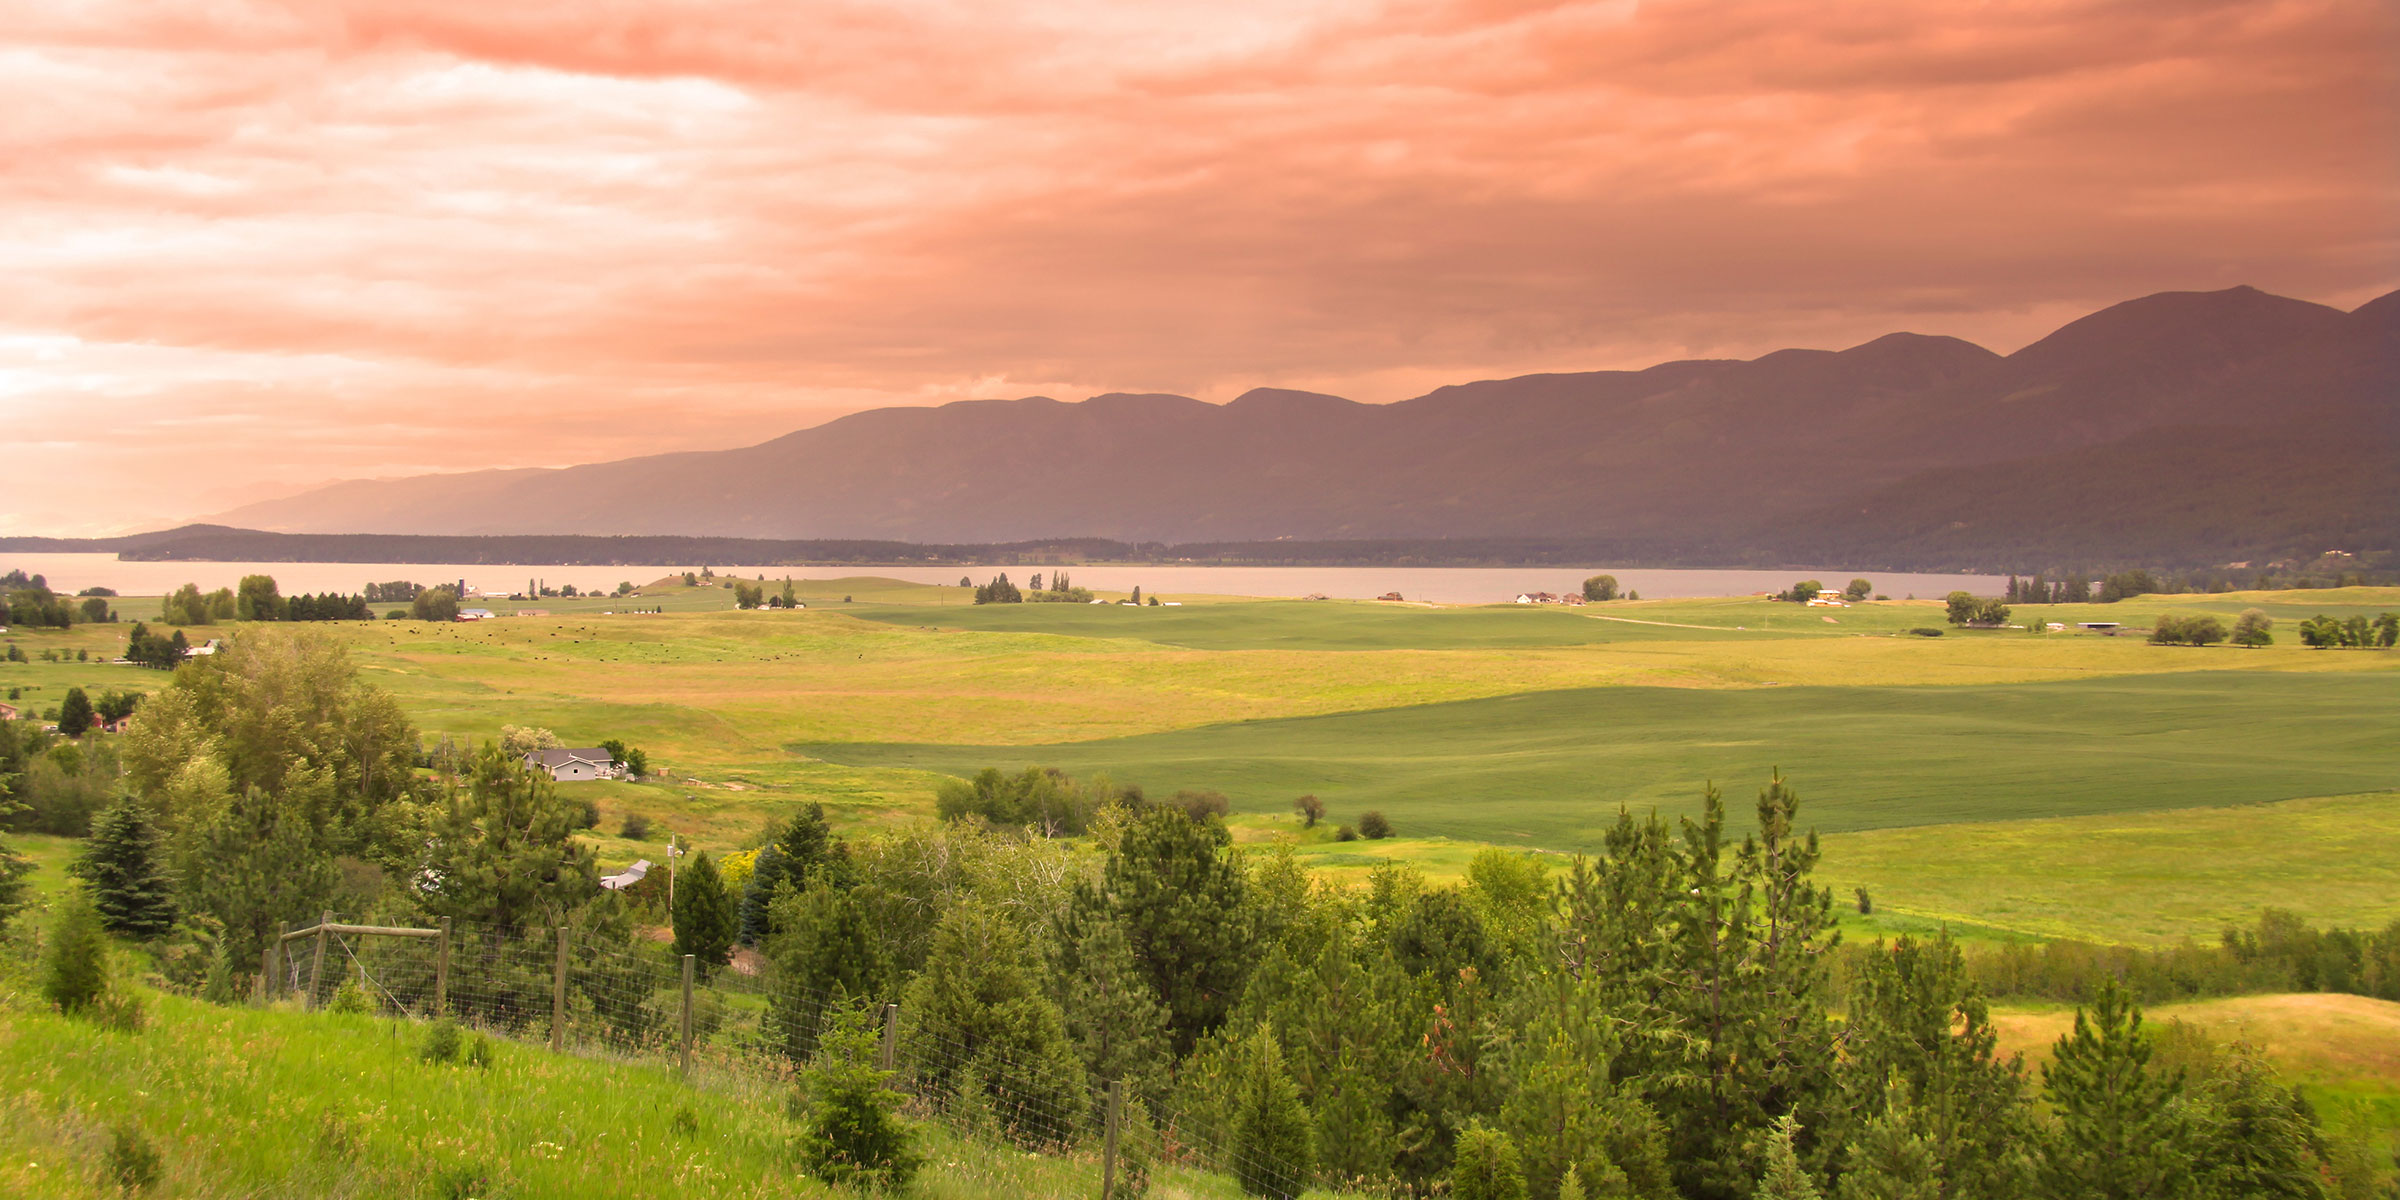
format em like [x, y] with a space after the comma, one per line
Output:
[558, 996]
[1108, 1149]
[688, 963]
[441, 974]
[316, 964]
[891, 1037]
[266, 965]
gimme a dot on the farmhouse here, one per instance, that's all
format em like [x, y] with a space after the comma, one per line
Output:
[211, 646]
[474, 614]
[626, 878]
[569, 766]
[8, 712]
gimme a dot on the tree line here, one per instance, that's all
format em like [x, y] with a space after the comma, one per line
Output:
[1659, 1019]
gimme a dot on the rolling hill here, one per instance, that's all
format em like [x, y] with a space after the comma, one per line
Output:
[2184, 426]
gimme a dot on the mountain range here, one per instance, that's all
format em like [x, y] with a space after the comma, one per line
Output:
[2183, 427]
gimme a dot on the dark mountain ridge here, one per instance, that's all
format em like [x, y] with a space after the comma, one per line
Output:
[2125, 421]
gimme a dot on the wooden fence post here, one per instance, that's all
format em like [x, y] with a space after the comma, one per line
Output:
[267, 963]
[689, 961]
[441, 974]
[558, 996]
[891, 1037]
[1108, 1149]
[316, 964]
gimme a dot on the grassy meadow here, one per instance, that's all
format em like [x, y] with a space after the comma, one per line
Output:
[2020, 782]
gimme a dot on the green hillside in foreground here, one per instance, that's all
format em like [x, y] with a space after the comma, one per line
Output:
[250, 1103]
[1550, 769]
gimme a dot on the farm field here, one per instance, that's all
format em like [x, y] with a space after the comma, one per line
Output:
[1517, 726]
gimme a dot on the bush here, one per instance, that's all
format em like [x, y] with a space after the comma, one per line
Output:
[132, 1160]
[1202, 803]
[637, 828]
[1343, 833]
[589, 817]
[481, 1052]
[1926, 631]
[441, 1042]
[351, 998]
[1373, 826]
[75, 967]
[850, 1128]
[1866, 903]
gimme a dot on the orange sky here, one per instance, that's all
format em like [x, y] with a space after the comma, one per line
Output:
[251, 246]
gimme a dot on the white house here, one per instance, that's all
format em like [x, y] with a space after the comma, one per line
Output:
[627, 878]
[569, 766]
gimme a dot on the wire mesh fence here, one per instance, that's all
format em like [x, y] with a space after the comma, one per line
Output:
[747, 1022]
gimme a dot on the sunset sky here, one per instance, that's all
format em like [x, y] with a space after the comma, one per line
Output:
[249, 247]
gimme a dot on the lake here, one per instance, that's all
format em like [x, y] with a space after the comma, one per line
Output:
[1441, 585]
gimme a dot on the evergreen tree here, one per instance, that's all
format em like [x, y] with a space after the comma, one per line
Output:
[75, 964]
[1891, 1159]
[1180, 899]
[1784, 1177]
[985, 1034]
[2121, 1135]
[1563, 1114]
[827, 953]
[704, 915]
[794, 853]
[1485, 1167]
[1118, 1025]
[2254, 1136]
[1920, 1037]
[121, 868]
[75, 713]
[850, 1129]
[1271, 1150]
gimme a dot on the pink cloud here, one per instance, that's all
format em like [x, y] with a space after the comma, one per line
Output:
[373, 236]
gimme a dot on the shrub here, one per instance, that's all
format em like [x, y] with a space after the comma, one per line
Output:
[1373, 826]
[1343, 833]
[1866, 903]
[685, 1122]
[117, 1009]
[850, 1130]
[75, 968]
[637, 828]
[589, 818]
[441, 1042]
[351, 998]
[481, 1052]
[132, 1160]
[1486, 1167]
[1926, 631]
[1202, 803]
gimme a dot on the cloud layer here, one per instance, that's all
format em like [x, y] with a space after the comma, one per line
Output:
[252, 246]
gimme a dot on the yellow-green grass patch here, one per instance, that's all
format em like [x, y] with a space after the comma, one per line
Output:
[2139, 877]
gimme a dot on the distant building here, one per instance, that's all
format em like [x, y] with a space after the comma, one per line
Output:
[8, 712]
[1389, 596]
[474, 614]
[571, 766]
[533, 612]
[626, 878]
[211, 646]
[2108, 627]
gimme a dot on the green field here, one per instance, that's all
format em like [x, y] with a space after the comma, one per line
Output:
[1550, 769]
[1950, 770]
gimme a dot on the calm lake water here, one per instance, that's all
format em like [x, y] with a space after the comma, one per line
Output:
[1442, 585]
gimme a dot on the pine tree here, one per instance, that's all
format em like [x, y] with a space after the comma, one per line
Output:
[1920, 1042]
[2256, 1137]
[1117, 1022]
[1891, 1159]
[1785, 1178]
[75, 713]
[1271, 1150]
[2120, 1133]
[75, 964]
[851, 1131]
[827, 953]
[1179, 898]
[1485, 1166]
[984, 1032]
[704, 914]
[121, 868]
